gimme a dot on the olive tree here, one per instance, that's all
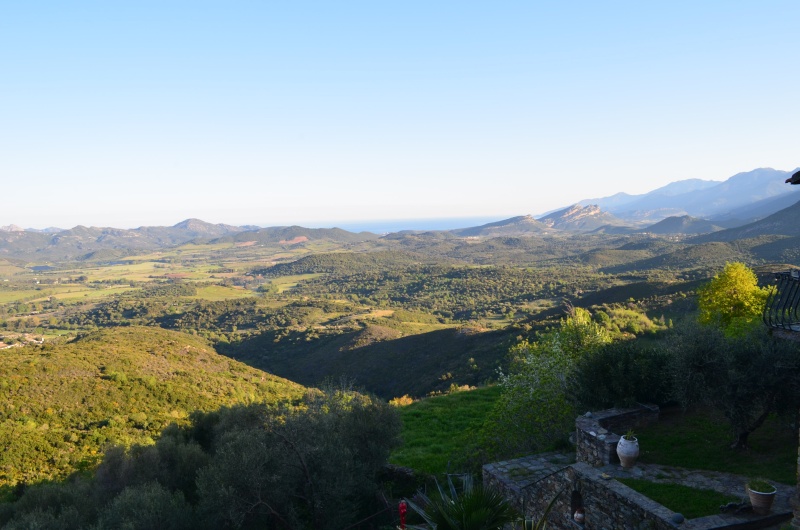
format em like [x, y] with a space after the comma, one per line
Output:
[746, 377]
[311, 466]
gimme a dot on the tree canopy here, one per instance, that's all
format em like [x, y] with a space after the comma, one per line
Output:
[534, 410]
[732, 300]
[311, 463]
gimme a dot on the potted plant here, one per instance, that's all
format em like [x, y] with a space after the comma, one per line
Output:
[628, 449]
[761, 494]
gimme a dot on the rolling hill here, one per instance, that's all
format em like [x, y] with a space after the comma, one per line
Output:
[384, 360]
[684, 224]
[755, 211]
[294, 235]
[783, 222]
[82, 242]
[62, 403]
[705, 255]
[345, 263]
[516, 226]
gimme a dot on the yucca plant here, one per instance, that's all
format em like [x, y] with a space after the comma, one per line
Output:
[475, 508]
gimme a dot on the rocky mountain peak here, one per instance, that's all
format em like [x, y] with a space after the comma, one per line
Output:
[577, 217]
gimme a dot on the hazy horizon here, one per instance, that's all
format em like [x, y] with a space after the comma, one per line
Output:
[376, 226]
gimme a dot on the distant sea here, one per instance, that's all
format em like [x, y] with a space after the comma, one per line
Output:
[386, 226]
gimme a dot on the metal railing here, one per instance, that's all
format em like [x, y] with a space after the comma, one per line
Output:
[782, 310]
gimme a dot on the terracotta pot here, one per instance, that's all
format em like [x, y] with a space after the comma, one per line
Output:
[761, 501]
[628, 451]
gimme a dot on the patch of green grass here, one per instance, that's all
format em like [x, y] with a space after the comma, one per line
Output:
[700, 439]
[78, 293]
[15, 296]
[284, 283]
[436, 430]
[689, 502]
[215, 293]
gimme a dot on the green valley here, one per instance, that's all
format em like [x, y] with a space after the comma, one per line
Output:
[109, 360]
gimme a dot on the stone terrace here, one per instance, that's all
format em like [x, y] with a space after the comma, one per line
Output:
[531, 482]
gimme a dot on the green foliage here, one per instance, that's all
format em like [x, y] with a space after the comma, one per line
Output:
[379, 316]
[66, 506]
[732, 300]
[173, 461]
[627, 320]
[459, 292]
[534, 410]
[341, 263]
[309, 467]
[61, 404]
[473, 508]
[312, 464]
[760, 485]
[148, 506]
[170, 288]
[324, 321]
[621, 374]
[745, 377]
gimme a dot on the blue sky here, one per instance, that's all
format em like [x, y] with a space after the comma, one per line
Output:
[143, 113]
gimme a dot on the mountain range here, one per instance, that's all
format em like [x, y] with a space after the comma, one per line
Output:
[744, 196]
[689, 207]
[86, 243]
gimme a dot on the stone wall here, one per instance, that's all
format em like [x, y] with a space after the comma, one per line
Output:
[607, 504]
[531, 483]
[595, 441]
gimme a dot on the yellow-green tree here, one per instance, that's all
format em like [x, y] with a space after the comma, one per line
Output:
[732, 300]
[535, 410]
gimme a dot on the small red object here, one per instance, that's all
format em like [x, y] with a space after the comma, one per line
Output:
[402, 509]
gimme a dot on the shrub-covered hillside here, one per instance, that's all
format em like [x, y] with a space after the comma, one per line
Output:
[60, 404]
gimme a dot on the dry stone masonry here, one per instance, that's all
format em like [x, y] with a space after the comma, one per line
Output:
[590, 483]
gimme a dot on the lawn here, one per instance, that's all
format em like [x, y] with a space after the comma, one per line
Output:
[436, 430]
[700, 439]
[689, 502]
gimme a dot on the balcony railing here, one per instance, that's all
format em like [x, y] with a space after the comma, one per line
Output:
[782, 308]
